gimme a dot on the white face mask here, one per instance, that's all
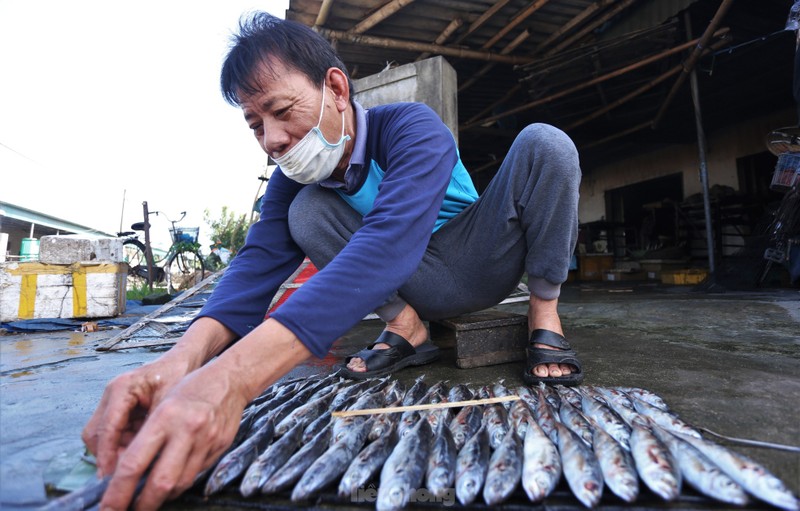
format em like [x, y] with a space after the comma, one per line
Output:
[313, 158]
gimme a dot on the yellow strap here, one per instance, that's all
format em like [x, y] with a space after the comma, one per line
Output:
[27, 296]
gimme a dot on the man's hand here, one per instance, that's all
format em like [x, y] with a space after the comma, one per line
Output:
[176, 428]
[122, 410]
[187, 432]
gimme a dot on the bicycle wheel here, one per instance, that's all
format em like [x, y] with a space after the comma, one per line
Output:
[133, 252]
[184, 270]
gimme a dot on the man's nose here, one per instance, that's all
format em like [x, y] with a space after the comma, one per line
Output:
[275, 142]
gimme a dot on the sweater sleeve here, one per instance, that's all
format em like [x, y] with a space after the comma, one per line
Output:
[418, 154]
[269, 256]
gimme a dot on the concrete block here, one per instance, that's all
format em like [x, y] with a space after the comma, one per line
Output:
[431, 81]
[75, 248]
[483, 338]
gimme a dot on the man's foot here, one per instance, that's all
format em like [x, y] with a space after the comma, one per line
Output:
[543, 315]
[552, 370]
[407, 325]
[547, 355]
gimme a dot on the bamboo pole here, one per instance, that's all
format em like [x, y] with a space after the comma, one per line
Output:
[574, 22]
[381, 14]
[693, 58]
[324, 11]
[525, 14]
[444, 36]
[591, 26]
[500, 101]
[483, 18]
[385, 42]
[488, 67]
[590, 83]
[429, 406]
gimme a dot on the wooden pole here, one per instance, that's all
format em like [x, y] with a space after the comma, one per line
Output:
[589, 83]
[148, 252]
[525, 14]
[379, 15]
[483, 18]
[324, 11]
[693, 58]
[444, 36]
[385, 42]
[488, 67]
[591, 26]
[574, 22]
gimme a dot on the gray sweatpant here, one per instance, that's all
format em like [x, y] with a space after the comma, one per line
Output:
[525, 221]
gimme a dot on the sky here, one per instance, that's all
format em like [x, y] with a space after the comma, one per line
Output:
[106, 104]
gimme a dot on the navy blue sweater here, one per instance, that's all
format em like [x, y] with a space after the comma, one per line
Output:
[412, 182]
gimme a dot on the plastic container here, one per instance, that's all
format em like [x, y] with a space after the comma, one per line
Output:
[29, 249]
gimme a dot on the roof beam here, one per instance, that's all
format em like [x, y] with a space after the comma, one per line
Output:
[415, 46]
[591, 26]
[488, 67]
[574, 22]
[324, 11]
[381, 14]
[444, 36]
[519, 18]
[590, 83]
[483, 18]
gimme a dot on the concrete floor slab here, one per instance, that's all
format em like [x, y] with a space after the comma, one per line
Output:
[729, 362]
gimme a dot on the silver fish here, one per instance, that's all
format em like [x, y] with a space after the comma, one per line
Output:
[342, 425]
[435, 417]
[415, 393]
[472, 464]
[384, 423]
[441, 470]
[347, 392]
[368, 462]
[519, 415]
[270, 461]
[607, 419]
[646, 396]
[575, 421]
[666, 420]
[296, 466]
[495, 418]
[505, 470]
[306, 413]
[500, 390]
[700, 472]
[332, 463]
[459, 392]
[545, 416]
[394, 392]
[404, 470]
[234, 463]
[316, 426]
[541, 466]
[752, 476]
[654, 463]
[620, 402]
[465, 424]
[570, 395]
[616, 464]
[581, 468]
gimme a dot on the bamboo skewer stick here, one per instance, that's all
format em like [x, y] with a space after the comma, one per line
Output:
[430, 406]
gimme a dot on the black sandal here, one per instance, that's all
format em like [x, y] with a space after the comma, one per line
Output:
[400, 354]
[564, 354]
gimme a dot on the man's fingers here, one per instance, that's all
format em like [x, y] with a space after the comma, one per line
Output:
[130, 469]
[165, 477]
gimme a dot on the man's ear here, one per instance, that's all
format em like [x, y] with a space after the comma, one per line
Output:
[337, 81]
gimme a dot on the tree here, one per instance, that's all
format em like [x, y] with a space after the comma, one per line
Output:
[228, 232]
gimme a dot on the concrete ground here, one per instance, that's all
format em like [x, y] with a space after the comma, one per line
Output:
[729, 362]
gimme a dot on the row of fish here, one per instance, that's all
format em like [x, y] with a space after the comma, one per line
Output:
[470, 444]
[595, 438]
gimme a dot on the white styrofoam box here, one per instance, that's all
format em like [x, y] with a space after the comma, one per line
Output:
[80, 290]
[75, 248]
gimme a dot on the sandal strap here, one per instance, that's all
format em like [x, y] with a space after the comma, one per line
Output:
[549, 338]
[399, 348]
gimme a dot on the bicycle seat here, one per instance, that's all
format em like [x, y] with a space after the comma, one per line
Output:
[138, 226]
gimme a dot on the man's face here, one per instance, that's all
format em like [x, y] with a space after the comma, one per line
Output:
[286, 107]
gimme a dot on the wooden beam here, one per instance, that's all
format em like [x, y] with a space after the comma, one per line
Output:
[519, 18]
[644, 88]
[574, 22]
[444, 36]
[381, 14]
[483, 18]
[688, 66]
[500, 101]
[634, 129]
[414, 46]
[590, 83]
[324, 11]
[488, 67]
[591, 26]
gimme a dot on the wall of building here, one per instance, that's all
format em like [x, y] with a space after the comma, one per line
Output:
[724, 147]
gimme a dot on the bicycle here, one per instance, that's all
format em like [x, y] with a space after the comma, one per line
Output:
[181, 268]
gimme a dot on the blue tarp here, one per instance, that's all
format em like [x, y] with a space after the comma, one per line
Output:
[134, 310]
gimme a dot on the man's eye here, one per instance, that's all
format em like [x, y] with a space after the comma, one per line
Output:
[281, 112]
[258, 129]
